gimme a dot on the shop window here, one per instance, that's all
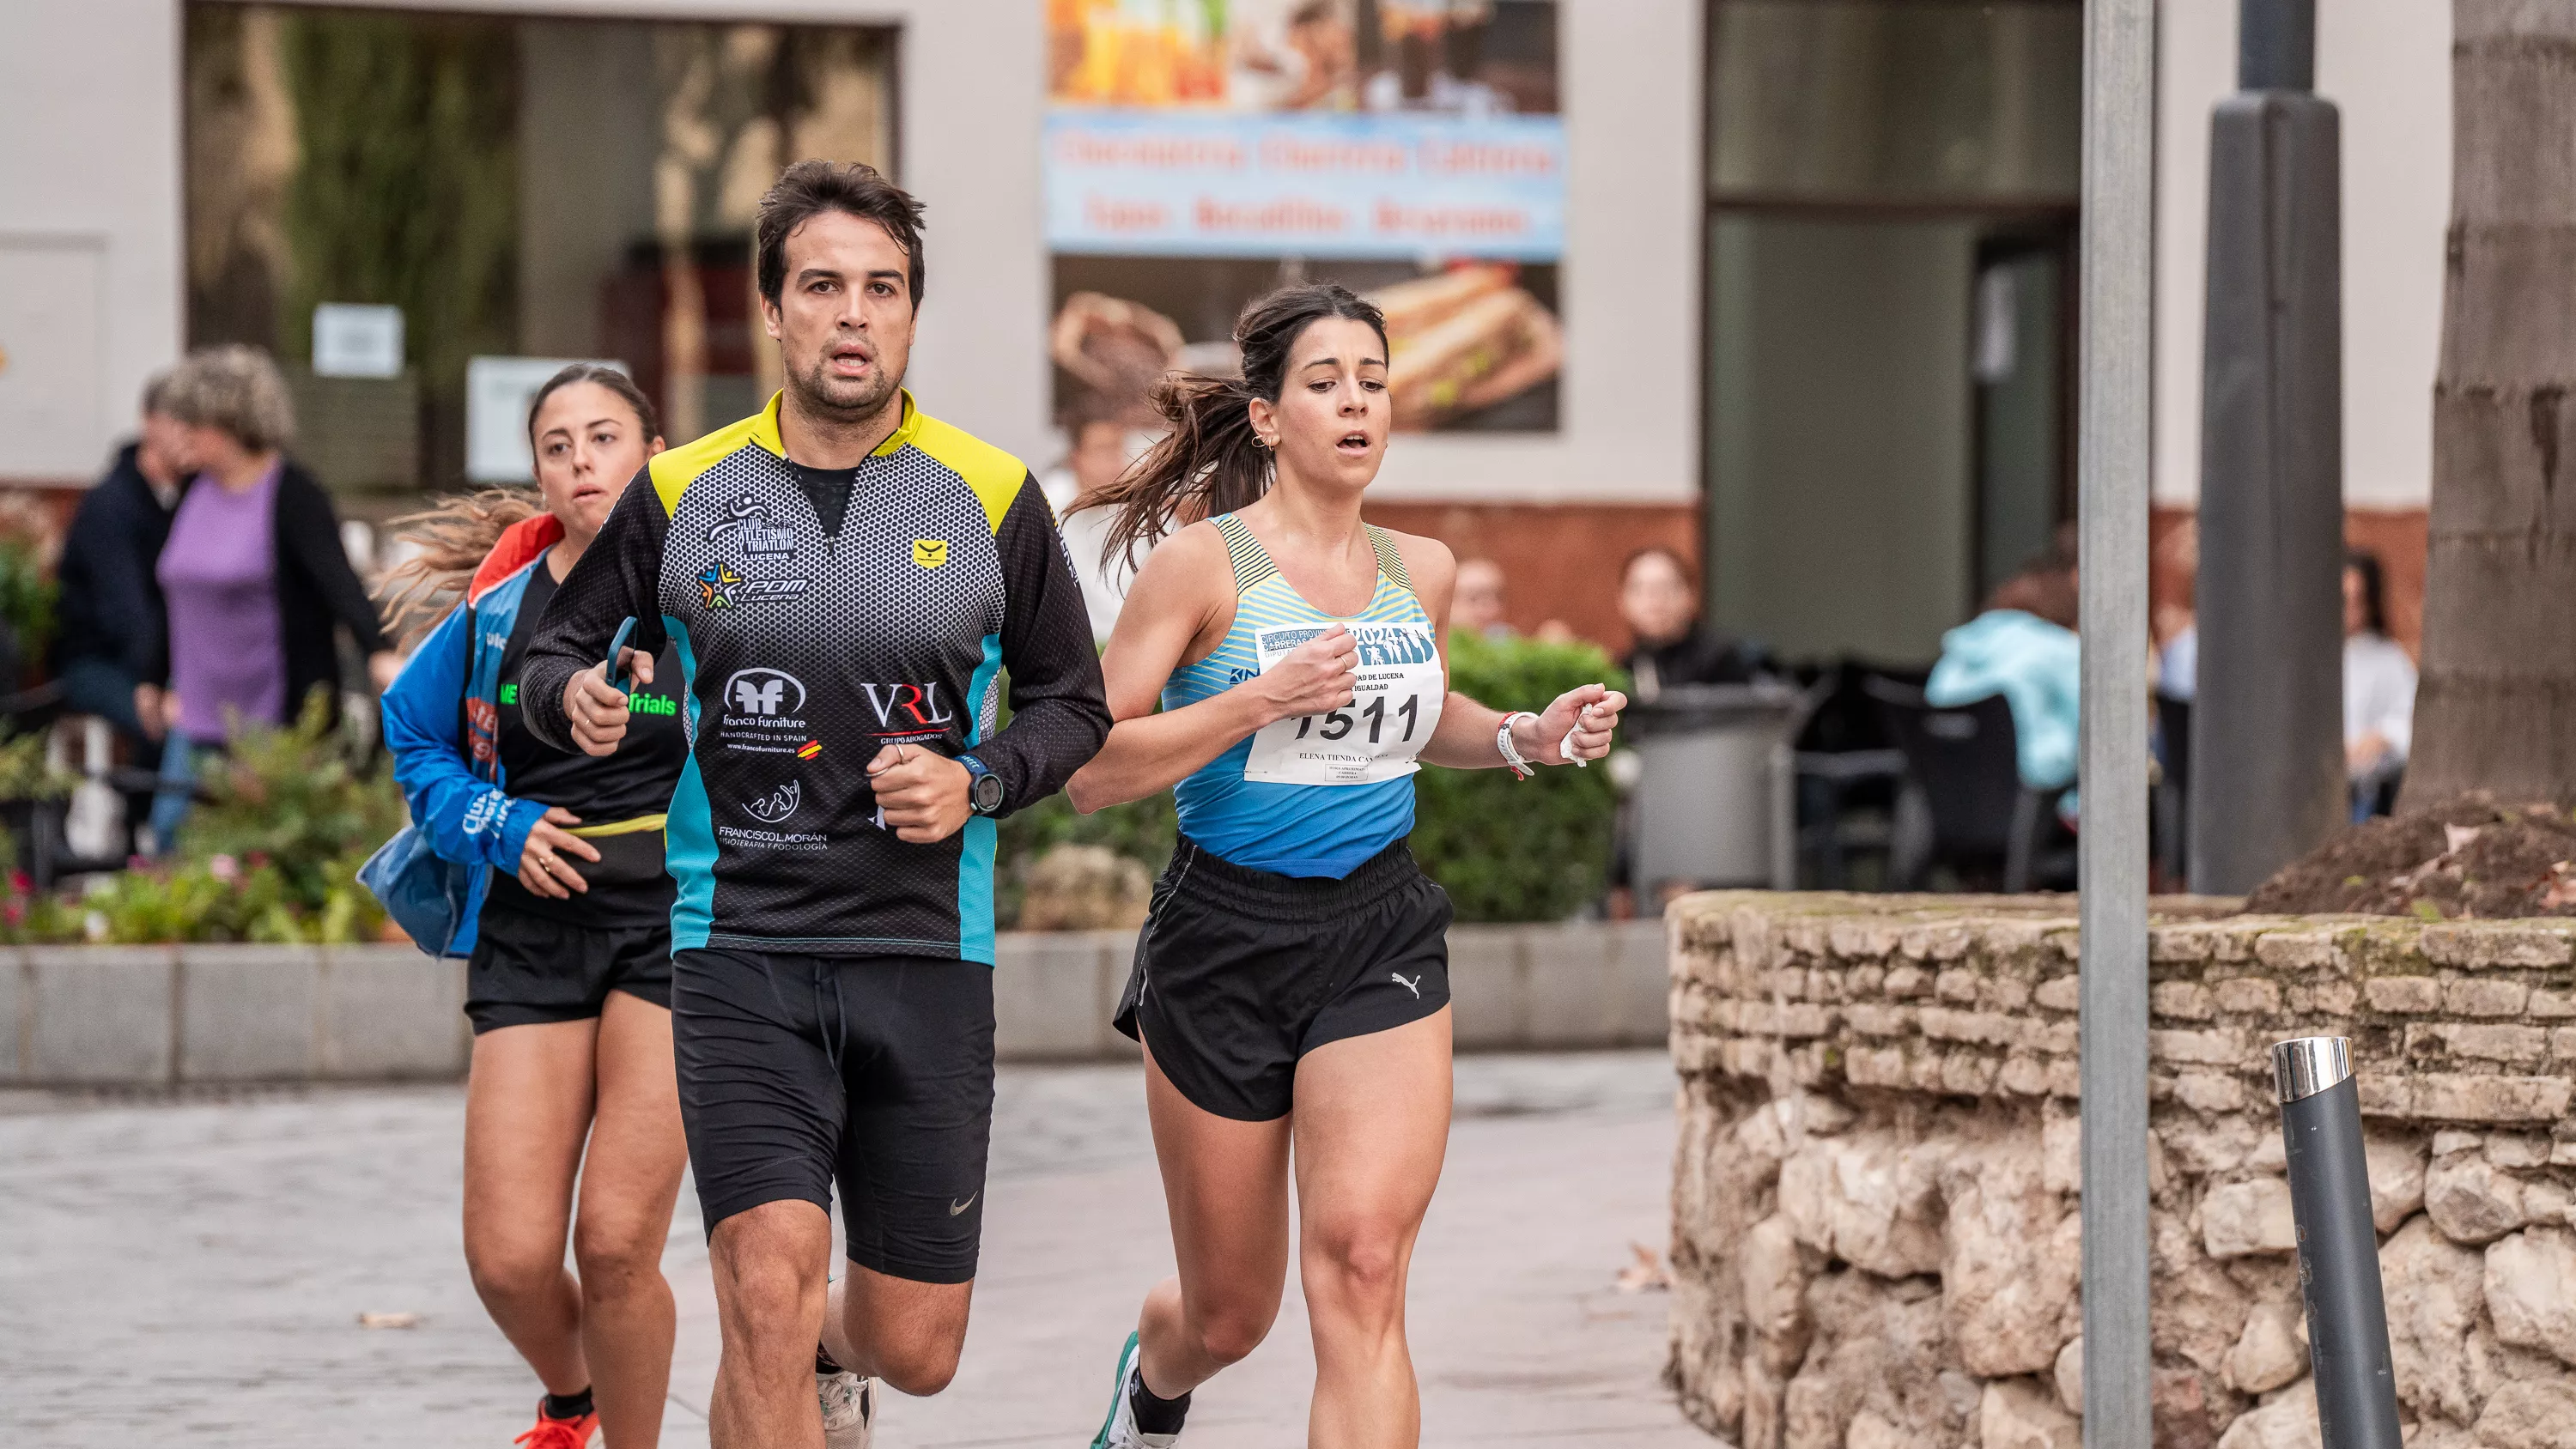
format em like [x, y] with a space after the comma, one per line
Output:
[531, 188]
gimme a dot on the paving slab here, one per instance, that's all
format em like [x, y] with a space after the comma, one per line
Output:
[222, 1243]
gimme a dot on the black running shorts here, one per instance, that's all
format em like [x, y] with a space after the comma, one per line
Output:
[873, 1071]
[1239, 973]
[529, 968]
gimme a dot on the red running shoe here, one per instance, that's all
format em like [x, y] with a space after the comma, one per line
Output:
[553, 1433]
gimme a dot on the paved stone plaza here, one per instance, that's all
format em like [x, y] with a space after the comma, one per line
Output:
[191, 1272]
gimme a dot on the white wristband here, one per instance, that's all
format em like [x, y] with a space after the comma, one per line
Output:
[1521, 768]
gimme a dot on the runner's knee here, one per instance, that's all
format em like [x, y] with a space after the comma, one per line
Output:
[1229, 1335]
[1360, 1259]
[921, 1365]
[614, 1257]
[512, 1272]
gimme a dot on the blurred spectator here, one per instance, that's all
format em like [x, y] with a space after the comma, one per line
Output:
[253, 571]
[2175, 624]
[2378, 689]
[1476, 605]
[2024, 648]
[110, 619]
[1659, 599]
[1102, 449]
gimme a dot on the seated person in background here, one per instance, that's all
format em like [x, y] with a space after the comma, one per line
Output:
[2023, 647]
[1477, 605]
[2378, 688]
[1659, 600]
[109, 639]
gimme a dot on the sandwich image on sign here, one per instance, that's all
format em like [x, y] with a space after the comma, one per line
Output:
[1465, 339]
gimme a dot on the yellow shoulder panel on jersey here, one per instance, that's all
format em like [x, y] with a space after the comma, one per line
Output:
[995, 476]
[675, 469]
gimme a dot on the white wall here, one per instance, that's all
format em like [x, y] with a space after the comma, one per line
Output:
[99, 81]
[2386, 64]
[89, 198]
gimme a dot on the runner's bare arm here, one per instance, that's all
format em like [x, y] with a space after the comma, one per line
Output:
[1179, 610]
[1464, 740]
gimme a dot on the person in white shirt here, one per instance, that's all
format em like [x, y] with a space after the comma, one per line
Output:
[2378, 687]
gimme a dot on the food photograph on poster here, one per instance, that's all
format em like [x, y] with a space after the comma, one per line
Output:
[1201, 152]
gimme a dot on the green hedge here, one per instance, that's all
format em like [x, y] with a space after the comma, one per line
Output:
[1506, 850]
[1518, 850]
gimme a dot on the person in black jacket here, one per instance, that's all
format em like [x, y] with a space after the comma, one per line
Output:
[253, 572]
[1659, 601]
[109, 622]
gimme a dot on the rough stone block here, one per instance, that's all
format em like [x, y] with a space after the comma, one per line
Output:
[2529, 1414]
[2470, 1201]
[2241, 1219]
[1981, 1027]
[2331, 998]
[2548, 1004]
[2184, 1000]
[2517, 1149]
[2023, 1076]
[250, 1013]
[1957, 986]
[1905, 982]
[2406, 994]
[1873, 1019]
[2247, 994]
[2448, 1097]
[2209, 1092]
[2005, 993]
[100, 1014]
[2531, 1290]
[2520, 1046]
[2272, 1351]
[2296, 950]
[389, 1013]
[2288, 1421]
[2397, 1168]
[2059, 993]
[2491, 945]
[2017, 1414]
[2485, 997]
[2206, 1048]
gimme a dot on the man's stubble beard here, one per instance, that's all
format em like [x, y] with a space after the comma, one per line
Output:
[845, 403]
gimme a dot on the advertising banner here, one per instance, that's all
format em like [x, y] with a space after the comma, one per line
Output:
[1200, 154]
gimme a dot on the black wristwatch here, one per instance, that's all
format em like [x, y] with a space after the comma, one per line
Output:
[984, 788]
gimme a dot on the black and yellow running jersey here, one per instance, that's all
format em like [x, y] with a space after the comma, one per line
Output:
[804, 653]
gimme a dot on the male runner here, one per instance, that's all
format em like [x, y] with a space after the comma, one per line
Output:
[844, 577]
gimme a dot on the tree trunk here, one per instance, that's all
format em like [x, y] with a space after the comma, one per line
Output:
[2497, 705]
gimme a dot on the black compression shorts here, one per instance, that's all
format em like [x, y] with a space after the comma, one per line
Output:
[873, 1071]
[1239, 973]
[528, 968]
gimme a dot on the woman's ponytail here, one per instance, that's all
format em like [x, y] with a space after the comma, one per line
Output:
[1211, 462]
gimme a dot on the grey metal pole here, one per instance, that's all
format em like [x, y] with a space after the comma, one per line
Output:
[2111, 505]
[2338, 1245]
[2267, 750]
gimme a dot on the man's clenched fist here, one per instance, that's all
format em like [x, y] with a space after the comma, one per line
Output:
[923, 795]
[597, 708]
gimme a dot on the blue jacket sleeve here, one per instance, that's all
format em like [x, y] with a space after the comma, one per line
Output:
[467, 819]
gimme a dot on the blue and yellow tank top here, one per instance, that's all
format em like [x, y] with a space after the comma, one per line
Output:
[1306, 807]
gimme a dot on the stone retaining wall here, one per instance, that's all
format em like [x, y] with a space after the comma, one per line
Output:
[1876, 1237]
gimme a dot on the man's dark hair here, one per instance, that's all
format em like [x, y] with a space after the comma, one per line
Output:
[810, 188]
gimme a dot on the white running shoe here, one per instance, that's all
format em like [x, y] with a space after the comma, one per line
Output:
[1119, 1430]
[849, 1409]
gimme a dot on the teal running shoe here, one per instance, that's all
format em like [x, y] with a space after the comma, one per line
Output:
[1119, 1430]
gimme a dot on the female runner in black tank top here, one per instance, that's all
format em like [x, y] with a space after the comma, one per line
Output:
[568, 984]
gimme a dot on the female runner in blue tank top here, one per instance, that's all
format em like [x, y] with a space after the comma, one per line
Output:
[1281, 663]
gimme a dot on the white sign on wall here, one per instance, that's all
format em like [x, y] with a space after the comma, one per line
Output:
[350, 340]
[498, 391]
[53, 314]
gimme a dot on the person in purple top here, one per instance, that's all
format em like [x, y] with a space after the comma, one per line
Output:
[254, 575]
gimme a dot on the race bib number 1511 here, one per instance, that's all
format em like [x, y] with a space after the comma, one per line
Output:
[1394, 707]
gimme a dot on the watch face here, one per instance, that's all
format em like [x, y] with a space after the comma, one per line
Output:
[986, 793]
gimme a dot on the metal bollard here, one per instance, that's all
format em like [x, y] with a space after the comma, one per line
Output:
[2338, 1246]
